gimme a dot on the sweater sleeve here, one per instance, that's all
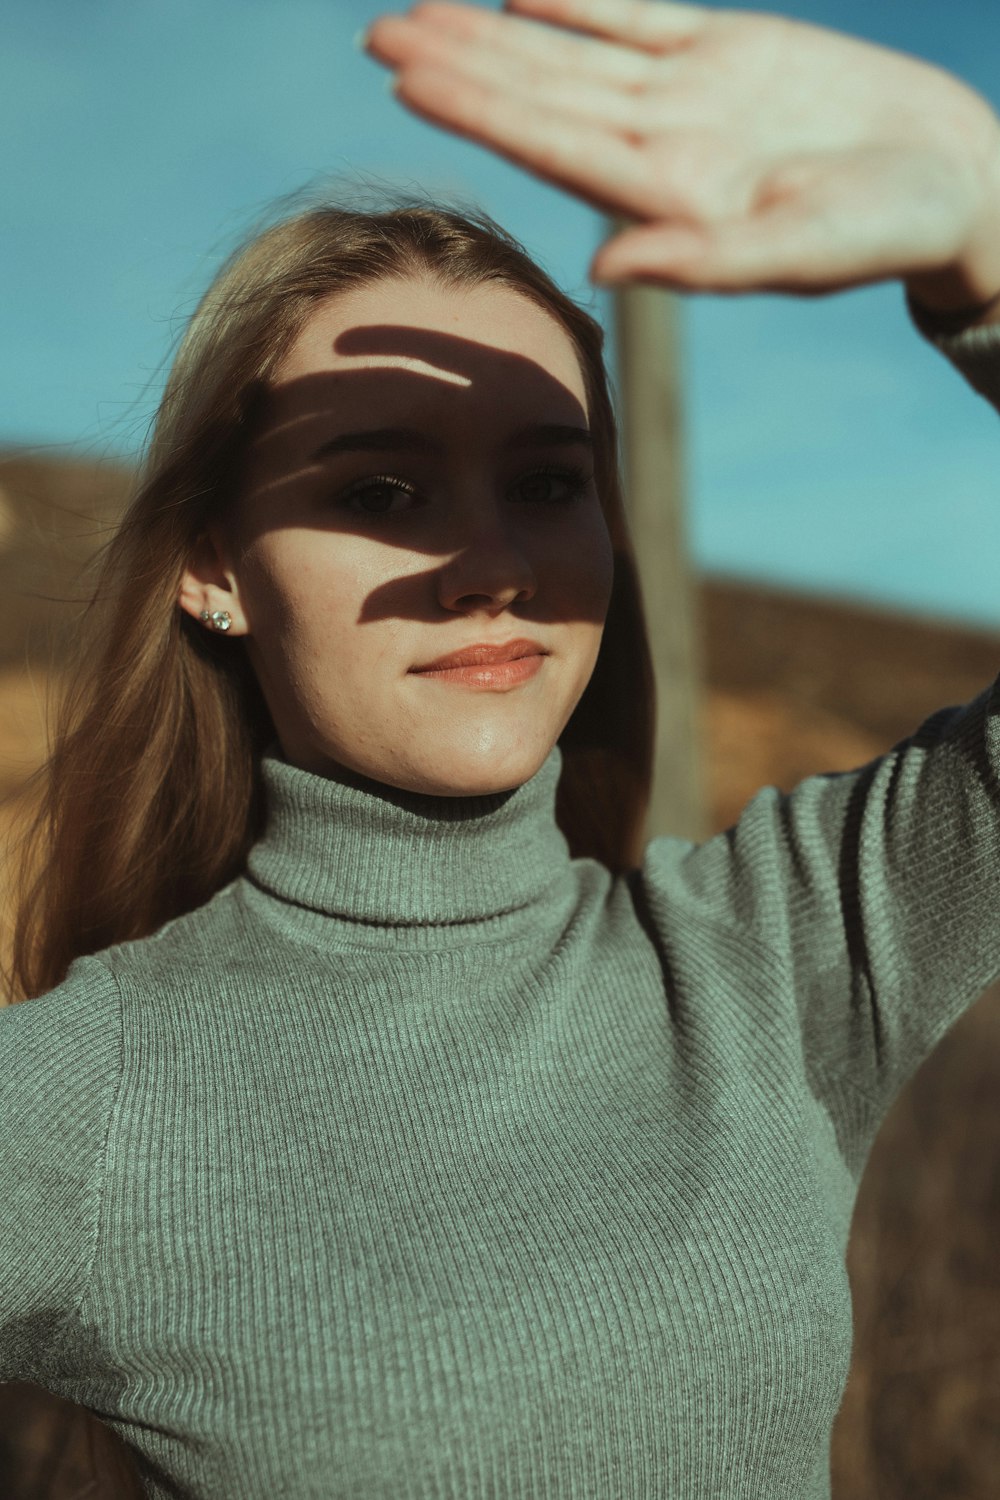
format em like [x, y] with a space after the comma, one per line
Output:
[974, 353]
[859, 913]
[60, 1064]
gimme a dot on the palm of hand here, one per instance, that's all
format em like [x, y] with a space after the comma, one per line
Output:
[755, 152]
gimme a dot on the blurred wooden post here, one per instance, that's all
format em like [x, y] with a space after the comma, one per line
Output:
[647, 336]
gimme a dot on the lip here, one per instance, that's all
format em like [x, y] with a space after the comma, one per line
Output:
[483, 655]
[498, 677]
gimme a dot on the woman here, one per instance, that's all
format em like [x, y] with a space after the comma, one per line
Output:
[384, 1120]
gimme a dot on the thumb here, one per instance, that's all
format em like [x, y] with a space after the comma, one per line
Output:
[783, 250]
[650, 252]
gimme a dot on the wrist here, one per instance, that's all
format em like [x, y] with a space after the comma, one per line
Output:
[937, 320]
[965, 292]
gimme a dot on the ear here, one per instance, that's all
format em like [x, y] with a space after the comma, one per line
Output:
[209, 582]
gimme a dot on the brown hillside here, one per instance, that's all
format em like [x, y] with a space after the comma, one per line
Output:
[794, 685]
[53, 515]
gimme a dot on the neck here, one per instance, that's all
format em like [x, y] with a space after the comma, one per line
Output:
[366, 852]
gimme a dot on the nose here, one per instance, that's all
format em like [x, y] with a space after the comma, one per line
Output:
[490, 563]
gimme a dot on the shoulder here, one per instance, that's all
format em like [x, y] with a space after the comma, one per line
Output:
[86, 1003]
[63, 1053]
[203, 940]
[61, 1060]
[98, 986]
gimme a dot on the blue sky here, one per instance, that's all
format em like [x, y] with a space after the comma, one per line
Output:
[827, 446]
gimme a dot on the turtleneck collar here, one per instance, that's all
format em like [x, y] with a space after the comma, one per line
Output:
[367, 852]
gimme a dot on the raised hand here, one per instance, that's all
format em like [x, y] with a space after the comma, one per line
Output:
[754, 153]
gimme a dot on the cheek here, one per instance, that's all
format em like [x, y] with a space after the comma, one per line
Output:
[293, 585]
[300, 599]
[587, 566]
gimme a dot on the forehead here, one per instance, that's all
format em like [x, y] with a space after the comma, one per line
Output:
[454, 337]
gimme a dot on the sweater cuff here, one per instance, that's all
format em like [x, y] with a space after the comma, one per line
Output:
[975, 352]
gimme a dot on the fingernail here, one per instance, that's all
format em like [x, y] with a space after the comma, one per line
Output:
[361, 39]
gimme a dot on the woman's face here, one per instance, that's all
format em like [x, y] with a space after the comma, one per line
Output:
[421, 481]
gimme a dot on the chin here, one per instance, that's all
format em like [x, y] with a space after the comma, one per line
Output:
[476, 775]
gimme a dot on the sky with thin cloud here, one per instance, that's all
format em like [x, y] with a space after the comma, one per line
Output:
[828, 447]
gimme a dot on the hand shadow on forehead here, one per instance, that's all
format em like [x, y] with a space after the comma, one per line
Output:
[462, 382]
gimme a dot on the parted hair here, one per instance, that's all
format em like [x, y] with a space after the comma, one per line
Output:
[150, 799]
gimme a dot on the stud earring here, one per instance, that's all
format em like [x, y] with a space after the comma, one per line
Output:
[219, 619]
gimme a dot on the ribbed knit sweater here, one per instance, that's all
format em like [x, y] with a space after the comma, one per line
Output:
[425, 1162]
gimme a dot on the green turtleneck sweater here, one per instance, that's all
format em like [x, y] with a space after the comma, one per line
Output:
[426, 1163]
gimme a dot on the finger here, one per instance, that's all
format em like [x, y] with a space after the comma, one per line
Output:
[819, 226]
[596, 164]
[786, 250]
[653, 25]
[534, 43]
[580, 99]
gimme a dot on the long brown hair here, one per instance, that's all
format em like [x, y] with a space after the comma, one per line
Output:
[150, 799]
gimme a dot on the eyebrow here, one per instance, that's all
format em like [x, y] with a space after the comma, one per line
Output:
[403, 439]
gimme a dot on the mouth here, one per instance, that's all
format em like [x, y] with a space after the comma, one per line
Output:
[484, 655]
[495, 676]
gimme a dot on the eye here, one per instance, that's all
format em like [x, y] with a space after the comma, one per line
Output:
[380, 487]
[549, 485]
[552, 485]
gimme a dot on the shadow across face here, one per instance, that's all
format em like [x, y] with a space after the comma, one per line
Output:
[446, 412]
